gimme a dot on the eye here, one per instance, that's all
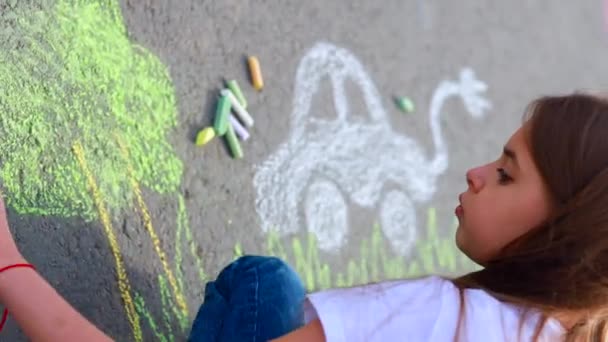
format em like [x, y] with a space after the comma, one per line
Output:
[503, 176]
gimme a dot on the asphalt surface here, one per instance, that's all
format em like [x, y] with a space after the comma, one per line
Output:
[518, 49]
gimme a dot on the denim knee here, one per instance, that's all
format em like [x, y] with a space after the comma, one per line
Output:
[254, 298]
[271, 275]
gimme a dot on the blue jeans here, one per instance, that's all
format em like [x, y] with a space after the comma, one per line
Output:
[253, 299]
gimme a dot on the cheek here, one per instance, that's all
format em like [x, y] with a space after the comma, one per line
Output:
[494, 223]
[480, 235]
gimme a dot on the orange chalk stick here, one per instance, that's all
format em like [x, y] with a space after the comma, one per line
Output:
[255, 72]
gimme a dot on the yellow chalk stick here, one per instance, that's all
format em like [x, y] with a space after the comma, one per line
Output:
[205, 136]
[255, 72]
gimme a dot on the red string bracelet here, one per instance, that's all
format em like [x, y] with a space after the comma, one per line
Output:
[5, 313]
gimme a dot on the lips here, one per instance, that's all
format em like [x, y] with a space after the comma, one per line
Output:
[459, 211]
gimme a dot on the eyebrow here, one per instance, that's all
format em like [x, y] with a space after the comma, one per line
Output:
[510, 154]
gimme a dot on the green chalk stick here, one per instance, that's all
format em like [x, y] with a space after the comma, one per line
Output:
[236, 90]
[405, 104]
[233, 143]
[221, 116]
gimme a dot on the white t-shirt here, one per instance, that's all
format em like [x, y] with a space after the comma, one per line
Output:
[426, 309]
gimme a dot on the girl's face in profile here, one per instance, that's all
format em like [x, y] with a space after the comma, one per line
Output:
[504, 199]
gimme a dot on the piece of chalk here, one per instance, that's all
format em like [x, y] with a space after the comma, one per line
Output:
[233, 143]
[405, 104]
[236, 90]
[256, 72]
[205, 136]
[238, 109]
[238, 128]
[221, 115]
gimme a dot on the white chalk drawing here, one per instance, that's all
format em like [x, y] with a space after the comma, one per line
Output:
[327, 163]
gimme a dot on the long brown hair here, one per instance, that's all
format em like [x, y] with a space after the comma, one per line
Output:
[563, 264]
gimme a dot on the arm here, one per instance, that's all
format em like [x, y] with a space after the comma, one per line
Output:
[38, 309]
[312, 332]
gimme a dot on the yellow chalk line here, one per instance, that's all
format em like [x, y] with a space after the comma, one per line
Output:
[123, 282]
[181, 302]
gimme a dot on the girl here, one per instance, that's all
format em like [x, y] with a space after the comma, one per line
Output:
[536, 219]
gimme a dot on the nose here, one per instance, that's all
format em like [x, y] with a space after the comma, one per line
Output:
[475, 179]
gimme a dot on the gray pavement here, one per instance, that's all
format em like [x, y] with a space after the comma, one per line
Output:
[335, 178]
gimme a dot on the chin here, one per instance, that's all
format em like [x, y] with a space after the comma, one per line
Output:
[458, 238]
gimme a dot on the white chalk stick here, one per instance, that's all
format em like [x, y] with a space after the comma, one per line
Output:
[238, 128]
[238, 109]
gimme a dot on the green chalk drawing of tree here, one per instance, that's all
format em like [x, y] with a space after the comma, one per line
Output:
[71, 83]
[69, 72]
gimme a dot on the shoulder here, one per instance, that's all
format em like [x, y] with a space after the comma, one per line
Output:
[383, 311]
[424, 309]
[427, 285]
[484, 315]
[402, 295]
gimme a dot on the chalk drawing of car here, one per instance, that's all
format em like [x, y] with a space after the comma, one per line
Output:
[327, 164]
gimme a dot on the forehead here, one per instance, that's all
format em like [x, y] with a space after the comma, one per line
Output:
[518, 138]
[518, 143]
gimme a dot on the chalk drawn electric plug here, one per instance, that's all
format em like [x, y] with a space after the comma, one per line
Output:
[328, 164]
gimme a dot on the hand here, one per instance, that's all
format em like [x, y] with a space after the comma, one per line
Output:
[39, 310]
[9, 253]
